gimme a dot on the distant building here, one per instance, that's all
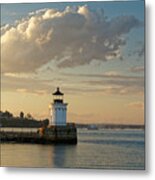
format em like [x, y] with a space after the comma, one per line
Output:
[58, 110]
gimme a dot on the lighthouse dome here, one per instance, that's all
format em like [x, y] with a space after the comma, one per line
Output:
[57, 92]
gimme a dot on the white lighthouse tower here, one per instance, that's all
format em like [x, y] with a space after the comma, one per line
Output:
[58, 110]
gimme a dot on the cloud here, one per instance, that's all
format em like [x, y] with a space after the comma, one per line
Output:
[107, 75]
[17, 75]
[111, 74]
[25, 84]
[21, 90]
[139, 51]
[139, 105]
[72, 37]
[136, 69]
[5, 28]
[34, 84]
[34, 91]
[116, 88]
[112, 83]
[39, 92]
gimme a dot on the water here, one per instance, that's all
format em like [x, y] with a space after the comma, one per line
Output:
[103, 149]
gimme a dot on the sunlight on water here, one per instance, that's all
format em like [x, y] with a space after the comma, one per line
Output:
[107, 149]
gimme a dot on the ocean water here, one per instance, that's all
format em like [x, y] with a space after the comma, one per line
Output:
[98, 149]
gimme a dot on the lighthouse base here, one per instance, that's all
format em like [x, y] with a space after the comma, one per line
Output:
[59, 134]
[45, 135]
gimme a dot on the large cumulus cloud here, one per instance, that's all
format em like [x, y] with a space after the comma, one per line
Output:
[72, 37]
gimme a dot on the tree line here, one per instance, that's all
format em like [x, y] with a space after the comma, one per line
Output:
[7, 119]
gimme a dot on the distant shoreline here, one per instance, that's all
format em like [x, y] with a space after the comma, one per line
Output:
[79, 126]
[112, 126]
[33, 123]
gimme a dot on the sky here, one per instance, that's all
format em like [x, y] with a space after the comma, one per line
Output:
[94, 51]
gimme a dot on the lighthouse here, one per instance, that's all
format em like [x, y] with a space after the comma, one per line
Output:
[58, 110]
[58, 130]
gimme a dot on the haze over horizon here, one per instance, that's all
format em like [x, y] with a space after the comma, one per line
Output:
[94, 51]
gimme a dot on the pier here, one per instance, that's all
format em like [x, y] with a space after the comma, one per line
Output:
[49, 135]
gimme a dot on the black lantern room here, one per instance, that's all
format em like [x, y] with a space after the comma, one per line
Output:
[58, 96]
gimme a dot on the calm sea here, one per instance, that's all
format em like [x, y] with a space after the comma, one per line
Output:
[103, 149]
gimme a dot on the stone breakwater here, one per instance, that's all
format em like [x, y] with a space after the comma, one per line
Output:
[45, 135]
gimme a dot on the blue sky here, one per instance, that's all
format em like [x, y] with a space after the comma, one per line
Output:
[12, 12]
